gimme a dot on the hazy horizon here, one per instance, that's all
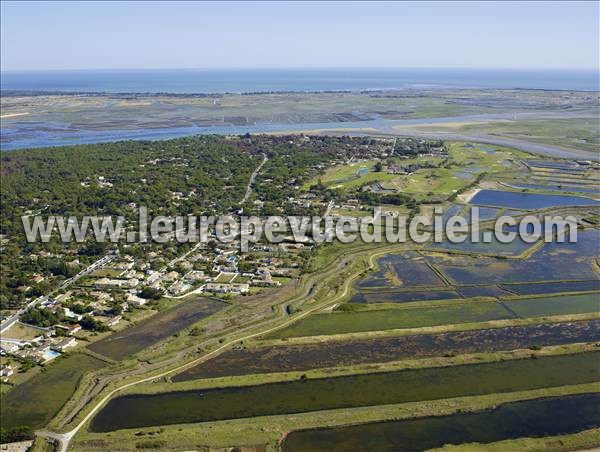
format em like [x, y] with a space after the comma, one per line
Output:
[308, 68]
[45, 36]
[244, 80]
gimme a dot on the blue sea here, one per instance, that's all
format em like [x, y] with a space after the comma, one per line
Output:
[299, 80]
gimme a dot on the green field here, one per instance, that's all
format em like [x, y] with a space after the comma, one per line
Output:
[386, 319]
[580, 133]
[351, 175]
[434, 315]
[35, 402]
[567, 304]
[462, 166]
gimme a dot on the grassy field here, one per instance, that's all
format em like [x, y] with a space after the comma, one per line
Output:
[23, 332]
[37, 400]
[362, 319]
[224, 278]
[351, 175]
[155, 329]
[465, 162]
[385, 319]
[566, 304]
[577, 133]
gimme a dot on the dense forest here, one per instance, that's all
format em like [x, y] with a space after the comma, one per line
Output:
[194, 175]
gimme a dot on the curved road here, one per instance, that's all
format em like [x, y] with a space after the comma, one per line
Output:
[538, 148]
[65, 439]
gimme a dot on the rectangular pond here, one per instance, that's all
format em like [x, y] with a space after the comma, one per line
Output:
[553, 287]
[552, 164]
[567, 182]
[556, 187]
[178, 407]
[150, 331]
[553, 262]
[482, 291]
[494, 246]
[293, 357]
[530, 418]
[518, 200]
[488, 213]
[401, 270]
[402, 297]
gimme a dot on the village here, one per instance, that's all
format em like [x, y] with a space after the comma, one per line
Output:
[128, 282]
[97, 296]
[103, 300]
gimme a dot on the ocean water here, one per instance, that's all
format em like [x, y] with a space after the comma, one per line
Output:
[262, 80]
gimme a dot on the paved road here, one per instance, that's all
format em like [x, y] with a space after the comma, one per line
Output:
[64, 439]
[7, 323]
[252, 179]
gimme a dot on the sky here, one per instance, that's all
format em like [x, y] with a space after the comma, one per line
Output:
[156, 35]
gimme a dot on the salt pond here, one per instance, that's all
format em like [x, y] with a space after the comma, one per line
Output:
[531, 418]
[517, 200]
[176, 407]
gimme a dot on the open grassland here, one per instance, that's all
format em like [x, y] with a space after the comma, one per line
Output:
[561, 305]
[346, 173]
[23, 332]
[446, 313]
